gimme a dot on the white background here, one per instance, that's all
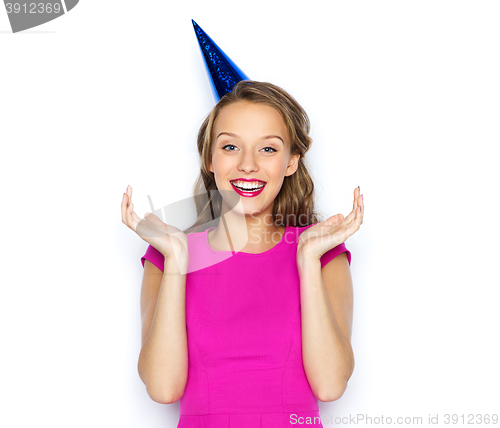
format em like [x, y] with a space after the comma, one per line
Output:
[404, 101]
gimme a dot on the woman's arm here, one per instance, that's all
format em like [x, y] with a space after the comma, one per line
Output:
[326, 299]
[163, 360]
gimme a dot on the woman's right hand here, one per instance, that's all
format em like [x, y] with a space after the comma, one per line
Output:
[168, 240]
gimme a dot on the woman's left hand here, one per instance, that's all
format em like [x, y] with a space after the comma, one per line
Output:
[323, 236]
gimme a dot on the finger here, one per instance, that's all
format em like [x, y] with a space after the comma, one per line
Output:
[129, 195]
[355, 224]
[352, 221]
[135, 219]
[351, 216]
[358, 219]
[356, 216]
[133, 216]
[362, 210]
[128, 213]
[356, 194]
[132, 220]
[124, 207]
[361, 203]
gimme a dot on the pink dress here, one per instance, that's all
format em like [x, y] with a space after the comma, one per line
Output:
[243, 324]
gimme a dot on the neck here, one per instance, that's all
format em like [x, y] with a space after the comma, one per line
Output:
[247, 233]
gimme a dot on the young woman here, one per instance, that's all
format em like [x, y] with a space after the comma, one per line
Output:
[247, 321]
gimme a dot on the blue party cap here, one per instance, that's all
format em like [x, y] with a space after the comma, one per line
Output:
[223, 72]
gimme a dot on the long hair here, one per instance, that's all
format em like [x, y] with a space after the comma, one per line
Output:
[294, 204]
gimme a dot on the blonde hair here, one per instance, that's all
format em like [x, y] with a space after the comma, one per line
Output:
[294, 204]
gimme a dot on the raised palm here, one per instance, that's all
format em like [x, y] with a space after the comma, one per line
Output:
[321, 237]
[167, 239]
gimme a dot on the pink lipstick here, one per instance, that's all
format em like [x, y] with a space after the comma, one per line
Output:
[248, 193]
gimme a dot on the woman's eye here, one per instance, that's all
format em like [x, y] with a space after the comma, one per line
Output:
[231, 145]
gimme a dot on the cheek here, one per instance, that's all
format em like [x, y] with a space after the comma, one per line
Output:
[215, 160]
[215, 164]
[219, 166]
[278, 167]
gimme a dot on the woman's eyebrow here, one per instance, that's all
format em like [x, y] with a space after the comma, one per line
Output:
[273, 136]
[266, 137]
[227, 133]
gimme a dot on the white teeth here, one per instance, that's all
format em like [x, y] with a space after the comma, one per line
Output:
[248, 185]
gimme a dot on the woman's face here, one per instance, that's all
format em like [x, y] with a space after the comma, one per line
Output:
[251, 141]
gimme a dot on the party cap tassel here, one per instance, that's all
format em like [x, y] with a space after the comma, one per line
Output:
[223, 72]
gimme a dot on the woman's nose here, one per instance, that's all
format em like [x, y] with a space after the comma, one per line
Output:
[248, 163]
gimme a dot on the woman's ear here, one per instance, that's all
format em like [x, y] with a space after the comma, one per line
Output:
[293, 164]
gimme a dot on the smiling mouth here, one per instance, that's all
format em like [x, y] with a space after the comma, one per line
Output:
[253, 189]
